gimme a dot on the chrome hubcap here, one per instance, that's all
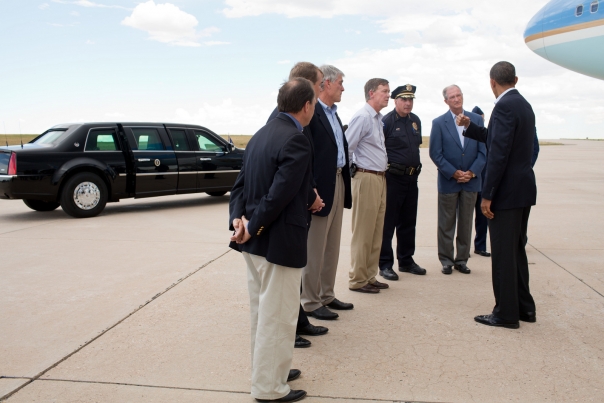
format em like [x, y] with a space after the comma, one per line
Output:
[86, 195]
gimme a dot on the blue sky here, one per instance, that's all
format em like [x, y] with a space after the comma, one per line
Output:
[220, 63]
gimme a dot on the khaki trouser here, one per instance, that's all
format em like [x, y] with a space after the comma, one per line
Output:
[368, 210]
[274, 304]
[319, 275]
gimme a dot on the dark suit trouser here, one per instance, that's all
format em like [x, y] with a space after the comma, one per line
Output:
[302, 319]
[510, 264]
[481, 224]
[401, 214]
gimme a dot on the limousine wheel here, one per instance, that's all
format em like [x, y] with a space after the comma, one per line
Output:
[216, 193]
[84, 195]
[41, 205]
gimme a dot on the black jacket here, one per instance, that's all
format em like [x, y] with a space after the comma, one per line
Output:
[510, 181]
[272, 192]
[326, 159]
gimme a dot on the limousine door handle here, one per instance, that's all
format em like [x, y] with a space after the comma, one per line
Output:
[205, 159]
[143, 159]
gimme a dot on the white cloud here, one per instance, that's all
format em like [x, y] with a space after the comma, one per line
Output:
[216, 43]
[167, 23]
[74, 14]
[43, 6]
[115, 115]
[89, 42]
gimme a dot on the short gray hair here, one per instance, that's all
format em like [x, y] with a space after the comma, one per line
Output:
[330, 72]
[448, 88]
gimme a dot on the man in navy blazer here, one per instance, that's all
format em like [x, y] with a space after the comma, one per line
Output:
[459, 162]
[508, 192]
[331, 175]
[271, 192]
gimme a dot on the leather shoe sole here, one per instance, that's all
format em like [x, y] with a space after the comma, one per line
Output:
[482, 253]
[301, 342]
[293, 375]
[491, 320]
[389, 274]
[312, 330]
[367, 288]
[292, 396]
[530, 317]
[323, 314]
[339, 305]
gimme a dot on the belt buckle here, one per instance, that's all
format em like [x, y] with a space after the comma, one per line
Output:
[412, 171]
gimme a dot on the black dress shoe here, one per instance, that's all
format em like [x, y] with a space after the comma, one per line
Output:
[389, 274]
[292, 396]
[413, 269]
[530, 317]
[293, 375]
[492, 320]
[482, 253]
[339, 305]
[312, 330]
[462, 268]
[301, 342]
[447, 269]
[323, 314]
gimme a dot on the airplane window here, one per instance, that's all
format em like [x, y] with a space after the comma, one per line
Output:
[594, 6]
[579, 11]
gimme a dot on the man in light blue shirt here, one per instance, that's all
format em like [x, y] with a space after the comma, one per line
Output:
[366, 148]
[331, 174]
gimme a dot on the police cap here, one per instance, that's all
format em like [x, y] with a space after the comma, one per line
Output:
[404, 91]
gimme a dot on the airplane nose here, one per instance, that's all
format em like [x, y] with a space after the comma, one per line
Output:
[533, 34]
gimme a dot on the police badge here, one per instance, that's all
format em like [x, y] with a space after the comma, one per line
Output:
[409, 87]
[415, 126]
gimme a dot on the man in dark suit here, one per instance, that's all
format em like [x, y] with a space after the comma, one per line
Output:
[314, 75]
[269, 213]
[332, 178]
[459, 161]
[508, 193]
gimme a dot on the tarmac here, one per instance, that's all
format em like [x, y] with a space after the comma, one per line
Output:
[146, 303]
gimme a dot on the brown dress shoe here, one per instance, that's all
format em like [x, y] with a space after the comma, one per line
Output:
[378, 285]
[367, 288]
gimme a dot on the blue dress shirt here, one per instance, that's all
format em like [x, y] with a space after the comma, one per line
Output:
[337, 131]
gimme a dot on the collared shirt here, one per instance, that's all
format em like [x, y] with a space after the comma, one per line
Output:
[337, 130]
[503, 93]
[365, 137]
[298, 125]
[460, 129]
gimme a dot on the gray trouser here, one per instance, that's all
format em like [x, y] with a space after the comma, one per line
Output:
[454, 207]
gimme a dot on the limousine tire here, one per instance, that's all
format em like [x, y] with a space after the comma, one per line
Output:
[41, 205]
[84, 195]
[216, 193]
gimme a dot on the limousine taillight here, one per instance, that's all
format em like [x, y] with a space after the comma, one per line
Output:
[12, 164]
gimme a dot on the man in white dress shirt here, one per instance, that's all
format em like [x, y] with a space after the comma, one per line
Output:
[460, 162]
[367, 151]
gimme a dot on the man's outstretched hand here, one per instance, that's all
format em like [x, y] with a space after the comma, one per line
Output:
[462, 120]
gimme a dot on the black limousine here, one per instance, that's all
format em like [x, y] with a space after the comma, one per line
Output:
[81, 167]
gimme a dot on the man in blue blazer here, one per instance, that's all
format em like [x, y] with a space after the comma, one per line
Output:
[459, 161]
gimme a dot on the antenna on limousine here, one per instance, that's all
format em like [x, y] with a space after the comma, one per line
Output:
[5, 135]
[20, 134]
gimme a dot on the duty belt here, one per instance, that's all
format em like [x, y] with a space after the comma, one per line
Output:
[402, 170]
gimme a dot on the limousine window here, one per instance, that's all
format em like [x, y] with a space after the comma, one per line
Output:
[179, 137]
[579, 10]
[102, 140]
[147, 139]
[50, 137]
[206, 143]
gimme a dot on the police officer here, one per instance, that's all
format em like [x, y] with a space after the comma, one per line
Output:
[403, 134]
